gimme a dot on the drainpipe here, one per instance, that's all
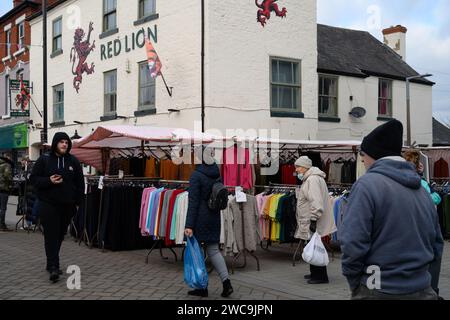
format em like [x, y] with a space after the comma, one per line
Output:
[203, 66]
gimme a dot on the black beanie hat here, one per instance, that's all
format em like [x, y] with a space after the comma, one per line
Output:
[384, 141]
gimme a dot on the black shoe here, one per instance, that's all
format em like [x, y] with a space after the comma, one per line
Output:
[199, 293]
[54, 276]
[227, 289]
[59, 271]
[4, 228]
[307, 277]
[313, 281]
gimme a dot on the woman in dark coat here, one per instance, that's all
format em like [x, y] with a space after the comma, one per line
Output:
[204, 223]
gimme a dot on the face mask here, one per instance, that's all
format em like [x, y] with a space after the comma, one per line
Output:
[300, 176]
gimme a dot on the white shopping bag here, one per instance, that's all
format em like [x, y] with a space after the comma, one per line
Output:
[315, 252]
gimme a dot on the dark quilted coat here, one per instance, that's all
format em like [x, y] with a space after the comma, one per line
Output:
[204, 222]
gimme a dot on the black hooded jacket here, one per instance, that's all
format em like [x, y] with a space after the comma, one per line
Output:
[204, 221]
[72, 189]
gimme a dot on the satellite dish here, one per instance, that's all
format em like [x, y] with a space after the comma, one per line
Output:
[358, 112]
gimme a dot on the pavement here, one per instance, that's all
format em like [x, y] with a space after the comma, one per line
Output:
[126, 276]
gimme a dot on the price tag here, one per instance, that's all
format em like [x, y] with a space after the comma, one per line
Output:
[100, 182]
[240, 195]
[120, 174]
[85, 185]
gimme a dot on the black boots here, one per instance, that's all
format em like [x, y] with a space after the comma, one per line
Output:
[199, 293]
[54, 276]
[227, 289]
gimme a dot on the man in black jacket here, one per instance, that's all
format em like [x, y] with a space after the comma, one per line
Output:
[58, 179]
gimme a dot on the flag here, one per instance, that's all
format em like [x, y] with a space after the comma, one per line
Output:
[154, 64]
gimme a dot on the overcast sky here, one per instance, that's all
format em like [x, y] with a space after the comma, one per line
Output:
[428, 38]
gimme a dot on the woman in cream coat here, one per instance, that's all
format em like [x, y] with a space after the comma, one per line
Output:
[314, 211]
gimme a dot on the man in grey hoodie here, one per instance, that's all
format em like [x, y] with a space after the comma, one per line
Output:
[390, 233]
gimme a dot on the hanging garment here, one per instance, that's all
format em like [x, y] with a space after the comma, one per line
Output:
[327, 165]
[164, 215]
[335, 172]
[237, 169]
[169, 170]
[288, 218]
[245, 223]
[287, 173]
[186, 171]
[150, 168]
[360, 168]
[181, 217]
[158, 213]
[144, 209]
[153, 211]
[170, 214]
[441, 169]
[230, 245]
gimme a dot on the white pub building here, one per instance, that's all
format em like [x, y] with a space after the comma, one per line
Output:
[222, 67]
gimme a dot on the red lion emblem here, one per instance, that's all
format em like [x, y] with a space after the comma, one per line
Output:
[23, 98]
[81, 49]
[266, 7]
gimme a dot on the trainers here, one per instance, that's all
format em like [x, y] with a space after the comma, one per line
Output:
[227, 289]
[54, 276]
[199, 293]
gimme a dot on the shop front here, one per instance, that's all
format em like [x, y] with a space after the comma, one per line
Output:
[14, 142]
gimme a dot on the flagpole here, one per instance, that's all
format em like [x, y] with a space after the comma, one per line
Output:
[169, 90]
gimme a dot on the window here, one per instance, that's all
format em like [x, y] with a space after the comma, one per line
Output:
[109, 15]
[385, 98]
[58, 103]
[146, 88]
[8, 43]
[110, 92]
[146, 8]
[328, 101]
[21, 35]
[285, 85]
[57, 35]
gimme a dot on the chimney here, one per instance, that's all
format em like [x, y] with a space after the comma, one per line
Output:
[395, 38]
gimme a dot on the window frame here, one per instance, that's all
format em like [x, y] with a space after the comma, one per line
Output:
[323, 76]
[7, 96]
[106, 111]
[59, 36]
[143, 107]
[141, 6]
[21, 38]
[298, 86]
[8, 35]
[107, 14]
[389, 111]
[58, 104]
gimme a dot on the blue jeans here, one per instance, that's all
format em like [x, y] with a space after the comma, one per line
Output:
[3, 206]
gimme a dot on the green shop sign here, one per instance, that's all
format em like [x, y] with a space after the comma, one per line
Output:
[14, 137]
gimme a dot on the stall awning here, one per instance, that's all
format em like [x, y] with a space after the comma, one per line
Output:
[14, 136]
[88, 149]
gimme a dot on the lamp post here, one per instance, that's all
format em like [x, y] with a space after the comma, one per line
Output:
[408, 105]
[44, 135]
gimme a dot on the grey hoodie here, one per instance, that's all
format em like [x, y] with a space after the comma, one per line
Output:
[390, 222]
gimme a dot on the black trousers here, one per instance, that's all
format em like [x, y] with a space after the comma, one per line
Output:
[55, 219]
[318, 273]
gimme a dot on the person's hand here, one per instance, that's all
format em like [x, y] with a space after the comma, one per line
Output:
[56, 179]
[313, 226]
[188, 232]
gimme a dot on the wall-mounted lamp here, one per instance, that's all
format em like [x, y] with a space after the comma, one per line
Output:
[75, 136]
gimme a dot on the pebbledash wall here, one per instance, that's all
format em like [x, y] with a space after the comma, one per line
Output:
[365, 94]
[237, 66]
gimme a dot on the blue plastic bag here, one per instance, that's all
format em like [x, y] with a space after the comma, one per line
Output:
[195, 274]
